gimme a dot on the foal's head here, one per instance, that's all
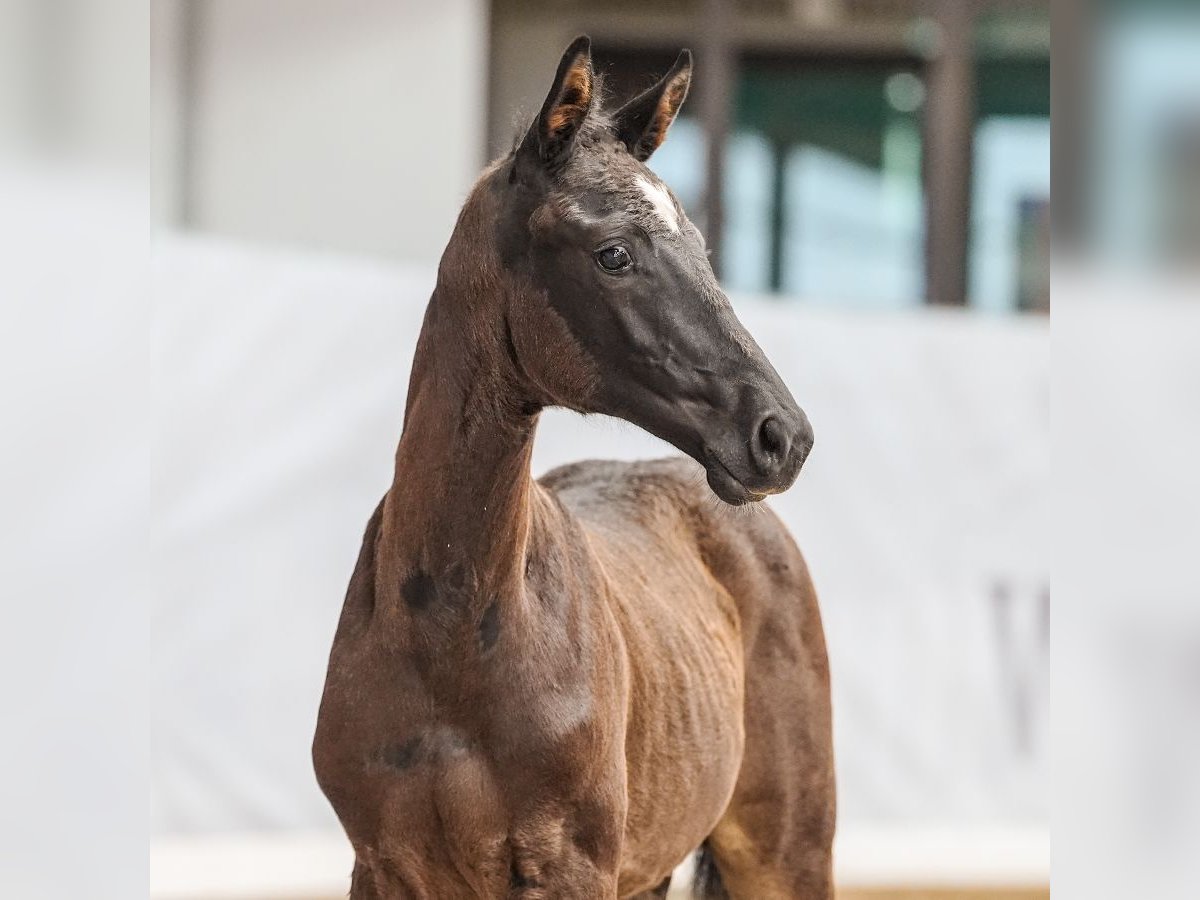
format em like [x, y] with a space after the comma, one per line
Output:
[608, 253]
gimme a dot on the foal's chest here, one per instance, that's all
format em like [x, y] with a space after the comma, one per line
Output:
[491, 787]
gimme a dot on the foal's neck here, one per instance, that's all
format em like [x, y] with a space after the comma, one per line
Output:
[459, 514]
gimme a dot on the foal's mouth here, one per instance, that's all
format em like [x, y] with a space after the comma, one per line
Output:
[726, 485]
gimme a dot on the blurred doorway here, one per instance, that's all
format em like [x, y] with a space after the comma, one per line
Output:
[1009, 261]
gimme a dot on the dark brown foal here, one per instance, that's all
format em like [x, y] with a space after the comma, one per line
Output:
[563, 688]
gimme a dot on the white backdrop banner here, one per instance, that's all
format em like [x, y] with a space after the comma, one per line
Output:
[280, 384]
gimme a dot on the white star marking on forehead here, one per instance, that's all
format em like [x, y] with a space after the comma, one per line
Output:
[661, 201]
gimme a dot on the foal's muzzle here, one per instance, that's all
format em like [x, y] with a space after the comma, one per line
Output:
[766, 460]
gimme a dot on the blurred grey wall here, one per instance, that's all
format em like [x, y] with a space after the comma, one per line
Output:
[354, 126]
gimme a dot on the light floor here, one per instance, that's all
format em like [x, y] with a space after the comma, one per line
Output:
[908, 863]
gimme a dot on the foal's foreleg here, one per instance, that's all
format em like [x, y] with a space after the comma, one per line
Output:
[362, 884]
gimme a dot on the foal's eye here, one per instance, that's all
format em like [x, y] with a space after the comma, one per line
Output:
[614, 258]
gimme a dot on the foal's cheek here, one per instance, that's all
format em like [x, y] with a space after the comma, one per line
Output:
[555, 360]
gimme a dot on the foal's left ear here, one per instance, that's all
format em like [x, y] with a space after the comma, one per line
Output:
[642, 123]
[567, 105]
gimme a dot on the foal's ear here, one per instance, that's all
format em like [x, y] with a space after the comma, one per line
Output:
[553, 133]
[642, 123]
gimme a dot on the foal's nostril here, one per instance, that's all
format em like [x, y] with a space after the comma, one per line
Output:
[773, 439]
[770, 445]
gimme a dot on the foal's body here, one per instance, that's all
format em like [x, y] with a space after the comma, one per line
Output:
[561, 689]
